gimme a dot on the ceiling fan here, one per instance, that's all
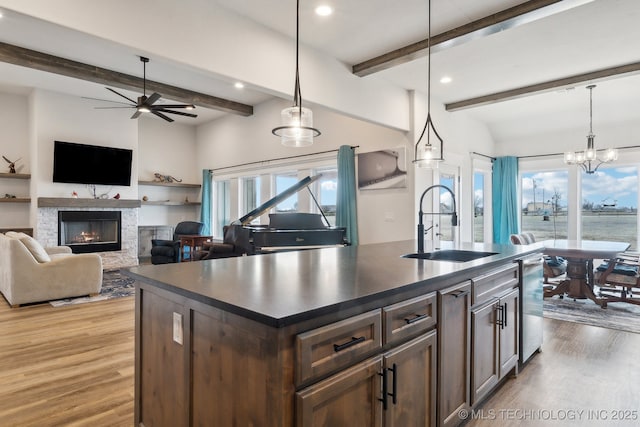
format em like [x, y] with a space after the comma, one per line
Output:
[145, 104]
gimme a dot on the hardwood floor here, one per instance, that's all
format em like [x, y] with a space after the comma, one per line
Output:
[73, 366]
[67, 366]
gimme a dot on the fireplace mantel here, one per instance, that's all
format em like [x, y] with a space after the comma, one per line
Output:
[71, 202]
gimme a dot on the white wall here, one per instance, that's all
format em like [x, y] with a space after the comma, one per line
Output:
[14, 144]
[169, 149]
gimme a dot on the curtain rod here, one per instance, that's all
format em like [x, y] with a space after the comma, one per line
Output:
[280, 158]
[483, 155]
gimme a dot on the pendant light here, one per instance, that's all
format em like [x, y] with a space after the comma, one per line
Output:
[297, 121]
[586, 157]
[426, 154]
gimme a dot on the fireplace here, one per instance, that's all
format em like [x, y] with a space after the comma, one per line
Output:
[90, 231]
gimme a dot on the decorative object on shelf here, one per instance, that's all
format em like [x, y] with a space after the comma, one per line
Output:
[145, 104]
[158, 177]
[429, 155]
[74, 194]
[12, 164]
[584, 158]
[297, 122]
[186, 199]
[9, 196]
[145, 199]
[117, 196]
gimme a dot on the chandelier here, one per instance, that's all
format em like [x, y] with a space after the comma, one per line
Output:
[426, 154]
[297, 121]
[588, 157]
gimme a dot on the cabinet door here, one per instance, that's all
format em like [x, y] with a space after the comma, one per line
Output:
[509, 327]
[454, 340]
[411, 383]
[161, 386]
[484, 353]
[349, 398]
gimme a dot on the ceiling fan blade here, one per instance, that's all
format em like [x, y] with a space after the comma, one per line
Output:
[180, 113]
[110, 108]
[175, 106]
[119, 94]
[136, 114]
[153, 98]
[157, 113]
[106, 100]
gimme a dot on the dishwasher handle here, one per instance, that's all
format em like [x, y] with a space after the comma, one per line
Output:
[533, 261]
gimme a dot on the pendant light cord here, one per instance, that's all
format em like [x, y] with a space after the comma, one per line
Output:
[297, 95]
[591, 110]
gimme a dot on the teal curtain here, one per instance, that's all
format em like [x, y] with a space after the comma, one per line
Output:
[346, 207]
[205, 207]
[505, 198]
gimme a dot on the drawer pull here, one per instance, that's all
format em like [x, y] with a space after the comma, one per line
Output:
[459, 294]
[415, 318]
[354, 341]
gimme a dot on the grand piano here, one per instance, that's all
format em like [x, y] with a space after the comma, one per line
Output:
[285, 231]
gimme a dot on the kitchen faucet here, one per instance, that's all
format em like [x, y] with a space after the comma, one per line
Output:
[454, 215]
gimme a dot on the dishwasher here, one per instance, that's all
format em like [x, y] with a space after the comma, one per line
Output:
[531, 293]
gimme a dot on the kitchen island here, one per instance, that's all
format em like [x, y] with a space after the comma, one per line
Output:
[336, 336]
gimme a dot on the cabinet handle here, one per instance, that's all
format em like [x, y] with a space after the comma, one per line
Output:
[458, 294]
[394, 386]
[383, 399]
[354, 341]
[504, 316]
[415, 318]
[500, 316]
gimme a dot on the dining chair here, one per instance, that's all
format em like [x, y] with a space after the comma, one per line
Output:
[554, 266]
[619, 277]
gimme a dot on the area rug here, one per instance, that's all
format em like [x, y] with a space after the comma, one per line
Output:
[617, 315]
[114, 285]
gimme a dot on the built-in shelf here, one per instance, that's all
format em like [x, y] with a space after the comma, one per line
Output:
[15, 175]
[169, 203]
[15, 200]
[70, 202]
[169, 184]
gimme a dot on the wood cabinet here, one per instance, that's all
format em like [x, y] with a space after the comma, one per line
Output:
[454, 348]
[397, 389]
[494, 349]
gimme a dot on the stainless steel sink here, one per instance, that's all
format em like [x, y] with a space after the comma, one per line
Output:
[451, 255]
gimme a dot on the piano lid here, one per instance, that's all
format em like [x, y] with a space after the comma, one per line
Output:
[304, 183]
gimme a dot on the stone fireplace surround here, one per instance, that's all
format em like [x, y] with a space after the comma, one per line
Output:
[46, 230]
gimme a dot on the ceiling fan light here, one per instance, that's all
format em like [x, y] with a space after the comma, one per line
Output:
[190, 107]
[144, 109]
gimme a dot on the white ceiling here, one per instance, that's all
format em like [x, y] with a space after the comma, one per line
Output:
[596, 35]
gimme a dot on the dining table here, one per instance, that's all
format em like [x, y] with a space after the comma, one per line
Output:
[579, 281]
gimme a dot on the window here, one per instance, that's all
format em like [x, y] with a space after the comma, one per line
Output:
[609, 205]
[478, 207]
[250, 198]
[327, 193]
[222, 211]
[284, 181]
[544, 204]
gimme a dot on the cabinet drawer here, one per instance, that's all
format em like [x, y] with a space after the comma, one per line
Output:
[494, 283]
[408, 318]
[338, 345]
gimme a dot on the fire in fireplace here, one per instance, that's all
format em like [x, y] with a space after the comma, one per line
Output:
[90, 231]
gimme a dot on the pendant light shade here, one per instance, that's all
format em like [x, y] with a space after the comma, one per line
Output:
[426, 153]
[296, 128]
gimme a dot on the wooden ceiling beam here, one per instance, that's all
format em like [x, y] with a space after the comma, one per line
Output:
[54, 64]
[547, 86]
[529, 11]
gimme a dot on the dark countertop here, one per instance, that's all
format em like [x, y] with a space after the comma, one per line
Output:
[284, 288]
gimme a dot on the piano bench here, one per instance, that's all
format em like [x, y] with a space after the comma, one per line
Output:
[219, 250]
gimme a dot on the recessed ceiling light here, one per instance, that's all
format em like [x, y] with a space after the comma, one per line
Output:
[239, 85]
[324, 10]
[446, 79]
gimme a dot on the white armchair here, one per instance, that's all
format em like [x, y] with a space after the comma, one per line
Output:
[30, 273]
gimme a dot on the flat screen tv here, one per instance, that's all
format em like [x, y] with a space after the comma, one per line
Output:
[91, 164]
